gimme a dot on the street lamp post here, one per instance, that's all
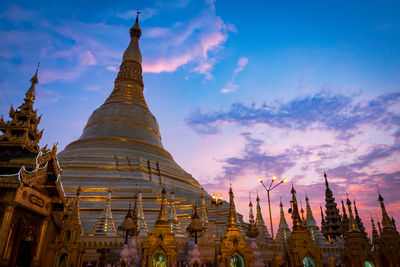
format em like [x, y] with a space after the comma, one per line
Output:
[269, 188]
[216, 201]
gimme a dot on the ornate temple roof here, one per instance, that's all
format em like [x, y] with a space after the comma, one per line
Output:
[20, 136]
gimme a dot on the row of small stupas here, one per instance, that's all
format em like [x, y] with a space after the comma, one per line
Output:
[42, 227]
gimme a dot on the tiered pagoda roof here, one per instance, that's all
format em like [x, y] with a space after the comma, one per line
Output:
[19, 141]
[332, 226]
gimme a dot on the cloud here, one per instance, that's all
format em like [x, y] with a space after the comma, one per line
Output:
[231, 86]
[357, 140]
[338, 113]
[87, 59]
[191, 43]
[112, 68]
[242, 62]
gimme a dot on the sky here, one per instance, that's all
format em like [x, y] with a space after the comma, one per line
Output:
[240, 90]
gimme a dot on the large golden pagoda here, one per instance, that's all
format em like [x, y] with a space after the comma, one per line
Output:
[121, 148]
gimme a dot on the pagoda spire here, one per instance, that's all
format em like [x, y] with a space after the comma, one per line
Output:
[323, 222]
[358, 220]
[128, 86]
[143, 229]
[375, 235]
[353, 227]
[310, 221]
[297, 222]
[74, 219]
[380, 228]
[105, 223]
[333, 222]
[312, 226]
[326, 180]
[30, 94]
[283, 233]
[262, 228]
[232, 222]
[20, 135]
[203, 210]
[174, 224]
[252, 230]
[345, 220]
[386, 222]
[302, 212]
[162, 218]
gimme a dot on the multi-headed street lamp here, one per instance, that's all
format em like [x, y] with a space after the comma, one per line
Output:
[216, 201]
[269, 188]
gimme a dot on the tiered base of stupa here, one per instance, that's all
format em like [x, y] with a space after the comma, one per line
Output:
[124, 173]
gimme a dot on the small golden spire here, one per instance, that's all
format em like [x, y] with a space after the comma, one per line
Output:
[386, 222]
[297, 222]
[162, 215]
[252, 230]
[135, 31]
[232, 211]
[30, 94]
[326, 179]
[353, 227]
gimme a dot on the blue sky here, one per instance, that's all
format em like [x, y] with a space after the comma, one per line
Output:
[239, 89]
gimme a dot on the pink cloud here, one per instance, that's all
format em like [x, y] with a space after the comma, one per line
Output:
[190, 43]
[87, 59]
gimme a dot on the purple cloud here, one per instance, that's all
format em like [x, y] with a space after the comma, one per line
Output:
[338, 113]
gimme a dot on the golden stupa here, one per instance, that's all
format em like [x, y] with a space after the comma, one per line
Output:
[121, 149]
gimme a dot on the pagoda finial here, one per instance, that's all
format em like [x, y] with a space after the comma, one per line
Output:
[132, 53]
[326, 179]
[386, 222]
[30, 94]
[135, 31]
